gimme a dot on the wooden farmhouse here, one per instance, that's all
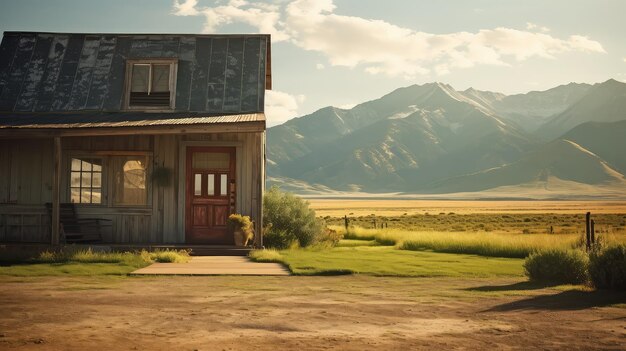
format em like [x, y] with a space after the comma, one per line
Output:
[131, 139]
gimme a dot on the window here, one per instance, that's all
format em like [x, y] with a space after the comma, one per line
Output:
[129, 180]
[86, 180]
[124, 178]
[150, 84]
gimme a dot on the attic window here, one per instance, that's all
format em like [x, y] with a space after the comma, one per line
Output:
[150, 84]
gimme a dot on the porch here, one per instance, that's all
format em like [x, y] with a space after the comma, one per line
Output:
[38, 165]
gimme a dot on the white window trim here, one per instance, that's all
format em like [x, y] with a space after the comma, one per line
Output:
[172, 84]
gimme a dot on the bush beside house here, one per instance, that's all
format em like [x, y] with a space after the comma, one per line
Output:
[289, 220]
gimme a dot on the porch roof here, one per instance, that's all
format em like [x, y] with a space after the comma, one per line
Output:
[97, 122]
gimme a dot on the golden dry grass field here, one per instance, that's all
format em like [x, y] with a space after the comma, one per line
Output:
[514, 217]
[341, 207]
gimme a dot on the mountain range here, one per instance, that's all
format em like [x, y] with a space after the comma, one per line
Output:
[567, 141]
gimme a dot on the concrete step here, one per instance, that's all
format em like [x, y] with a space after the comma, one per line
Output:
[219, 252]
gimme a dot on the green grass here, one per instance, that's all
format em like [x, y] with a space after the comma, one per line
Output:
[358, 242]
[388, 261]
[71, 268]
[86, 262]
[476, 243]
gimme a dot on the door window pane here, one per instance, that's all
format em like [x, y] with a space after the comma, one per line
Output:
[210, 184]
[197, 187]
[223, 184]
[210, 160]
[129, 186]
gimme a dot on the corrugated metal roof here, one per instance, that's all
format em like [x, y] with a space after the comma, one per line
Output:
[119, 119]
[45, 72]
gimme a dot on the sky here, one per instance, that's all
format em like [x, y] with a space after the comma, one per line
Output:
[344, 52]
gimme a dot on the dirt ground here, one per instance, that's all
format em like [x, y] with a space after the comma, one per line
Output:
[304, 313]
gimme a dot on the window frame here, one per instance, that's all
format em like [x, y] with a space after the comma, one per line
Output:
[107, 186]
[103, 176]
[172, 62]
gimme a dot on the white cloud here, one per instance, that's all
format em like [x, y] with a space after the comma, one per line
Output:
[187, 8]
[380, 47]
[320, 66]
[583, 43]
[280, 106]
[534, 26]
[264, 17]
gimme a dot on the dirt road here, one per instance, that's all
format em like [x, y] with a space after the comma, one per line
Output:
[304, 313]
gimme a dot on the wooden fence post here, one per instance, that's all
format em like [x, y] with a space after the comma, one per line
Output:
[588, 230]
[593, 232]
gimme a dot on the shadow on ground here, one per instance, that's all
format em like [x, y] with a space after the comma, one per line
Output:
[525, 285]
[565, 301]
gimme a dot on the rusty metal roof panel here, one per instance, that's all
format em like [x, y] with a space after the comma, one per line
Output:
[63, 72]
[118, 119]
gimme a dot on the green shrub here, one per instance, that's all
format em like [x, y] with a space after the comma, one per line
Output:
[287, 219]
[607, 268]
[557, 266]
[277, 239]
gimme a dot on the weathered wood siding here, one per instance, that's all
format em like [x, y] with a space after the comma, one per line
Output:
[25, 184]
[26, 178]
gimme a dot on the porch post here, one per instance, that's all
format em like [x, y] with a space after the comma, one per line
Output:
[261, 186]
[56, 185]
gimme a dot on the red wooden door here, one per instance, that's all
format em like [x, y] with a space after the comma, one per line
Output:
[210, 194]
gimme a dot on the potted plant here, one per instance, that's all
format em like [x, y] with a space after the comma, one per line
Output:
[241, 228]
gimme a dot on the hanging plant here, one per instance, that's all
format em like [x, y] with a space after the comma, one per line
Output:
[161, 175]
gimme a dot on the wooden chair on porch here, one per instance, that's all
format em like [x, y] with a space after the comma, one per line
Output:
[76, 230]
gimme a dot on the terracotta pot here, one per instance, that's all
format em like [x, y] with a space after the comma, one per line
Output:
[239, 237]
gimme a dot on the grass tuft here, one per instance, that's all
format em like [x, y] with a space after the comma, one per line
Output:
[166, 256]
[266, 255]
